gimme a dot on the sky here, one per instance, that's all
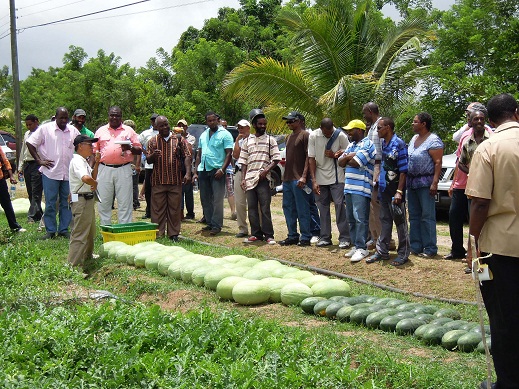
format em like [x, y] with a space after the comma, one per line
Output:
[133, 33]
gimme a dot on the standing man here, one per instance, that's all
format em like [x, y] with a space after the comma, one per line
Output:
[239, 194]
[82, 187]
[118, 145]
[136, 170]
[493, 185]
[52, 147]
[371, 116]
[29, 167]
[297, 189]
[187, 187]
[358, 159]
[259, 154]
[144, 137]
[393, 172]
[229, 182]
[78, 121]
[166, 152]
[214, 155]
[325, 146]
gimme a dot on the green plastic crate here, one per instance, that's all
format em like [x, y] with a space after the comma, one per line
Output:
[129, 227]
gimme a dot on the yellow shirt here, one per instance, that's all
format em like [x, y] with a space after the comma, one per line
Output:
[494, 175]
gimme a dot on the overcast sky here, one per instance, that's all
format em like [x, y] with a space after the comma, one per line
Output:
[134, 33]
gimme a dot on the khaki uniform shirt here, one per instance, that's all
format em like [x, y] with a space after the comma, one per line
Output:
[494, 175]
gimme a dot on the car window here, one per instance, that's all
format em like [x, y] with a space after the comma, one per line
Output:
[2, 141]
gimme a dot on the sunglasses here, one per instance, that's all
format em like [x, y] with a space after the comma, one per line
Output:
[292, 121]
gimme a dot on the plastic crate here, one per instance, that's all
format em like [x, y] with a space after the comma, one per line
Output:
[130, 237]
[129, 227]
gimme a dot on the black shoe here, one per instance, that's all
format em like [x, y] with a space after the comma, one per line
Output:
[207, 228]
[173, 238]
[146, 217]
[65, 234]
[241, 235]
[215, 231]
[289, 242]
[484, 385]
[468, 270]
[453, 257]
[190, 217]
[202, 220]
[303, 243]
[48, 235]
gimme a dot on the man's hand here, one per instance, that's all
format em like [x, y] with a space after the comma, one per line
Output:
[398, 198]
[316, 188]
[433, 189]
[45, 162]
[194, 178]
[301, 182]
[187, 178]
[329, 154]
[263, 174]
[219, 174]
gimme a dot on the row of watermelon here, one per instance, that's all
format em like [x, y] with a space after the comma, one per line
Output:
[428, 323]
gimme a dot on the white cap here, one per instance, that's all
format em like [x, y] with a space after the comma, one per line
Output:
[243, 123]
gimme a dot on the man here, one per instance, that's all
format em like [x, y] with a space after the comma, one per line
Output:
[393, 172]
[371, 116]
[136, 170]
[297, 189]
[29, 167]
[78, 121]
[239, 194]
[358, 159]
[118, 145]
[144, 137]
[229, 182]
[259, 155]
[214, 155]
[325, 146]
[187, 187]
[493, 185]
[471, 107]
[83, 184]
[52, 147]
[166, 152]
[459, 208]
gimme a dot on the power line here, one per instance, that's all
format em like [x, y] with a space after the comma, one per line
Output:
[32, 5]
[51, 9]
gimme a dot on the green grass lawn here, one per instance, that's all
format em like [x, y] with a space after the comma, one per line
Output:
[53, 339]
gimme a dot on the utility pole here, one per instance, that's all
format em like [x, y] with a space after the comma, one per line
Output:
[16, 83]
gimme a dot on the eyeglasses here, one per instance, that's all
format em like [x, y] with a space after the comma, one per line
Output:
[87, 143]
[292, 121]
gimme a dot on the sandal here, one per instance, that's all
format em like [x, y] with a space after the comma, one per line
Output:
[375, 258]
[398, 262]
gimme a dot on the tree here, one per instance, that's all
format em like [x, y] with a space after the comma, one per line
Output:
[344, 57]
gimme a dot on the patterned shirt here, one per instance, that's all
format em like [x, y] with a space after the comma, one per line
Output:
[167, 170]
[213, 148]
[421, 165]
[377, 142]
[468, 148]
[394, 162]
[257, 153]
[359, 180]
[5, 164]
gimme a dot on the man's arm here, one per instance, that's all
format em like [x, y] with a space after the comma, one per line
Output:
[436, 156]
[313, 167]
[221, 171]
[36, 156]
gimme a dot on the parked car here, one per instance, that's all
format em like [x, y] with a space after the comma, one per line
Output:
[443, 201]
[9, 153]
[9, 139]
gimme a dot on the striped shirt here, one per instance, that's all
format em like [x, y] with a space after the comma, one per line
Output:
[257, 153]
[359, 180]
[167, 170]
[394, 162]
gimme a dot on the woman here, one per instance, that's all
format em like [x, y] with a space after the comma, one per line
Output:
[5, 199]
[425, 163]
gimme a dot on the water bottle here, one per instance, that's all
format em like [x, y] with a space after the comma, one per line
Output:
[12, 192]
[307, 189]
[195, 186]
[21, 180]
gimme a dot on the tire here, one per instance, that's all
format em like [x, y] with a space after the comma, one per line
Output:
[275, 174]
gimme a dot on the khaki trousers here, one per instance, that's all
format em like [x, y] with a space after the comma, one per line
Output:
[83, 232]
[240, 198]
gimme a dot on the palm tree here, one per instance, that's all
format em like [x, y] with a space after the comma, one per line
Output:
[344, 58]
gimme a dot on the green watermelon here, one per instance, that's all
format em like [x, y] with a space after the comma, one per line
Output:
[426, 317]
[307, 305]
[420, 331]
[250, 292]
[225, 286]
[448, 312]
[455, 324]
[408, 326]
[294, 293]
[388, 324]
[481, 347]
[441, 320]
[373, 320]
[344, 313]
[469, 342]
[320, 307]
[331, 310]
[434, 335]
[393, 303]
[331, 287]
[450, 339]
[359, 315]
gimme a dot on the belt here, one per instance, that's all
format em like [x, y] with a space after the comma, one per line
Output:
[33, 161]
[87, 196]
[114, 166]
[237, 169]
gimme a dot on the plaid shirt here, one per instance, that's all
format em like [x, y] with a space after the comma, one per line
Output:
[257, 153]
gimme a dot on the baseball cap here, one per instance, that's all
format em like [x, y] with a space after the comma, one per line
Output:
[154, 116]
[294, 115]
[243, 123]
[79, 112]
[355, 123]
[83, 138]
[183, 121]
[178, 130]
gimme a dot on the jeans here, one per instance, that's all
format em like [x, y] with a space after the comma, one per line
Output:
[386, 227]
[422, 221]
[296, 206]
[187, 196]
[7, 206]
[258, 200]
[357, 211]
[52, 189]
[212, 192]
[333, 193]
[34, 185]
[315, 222]
[458, 213]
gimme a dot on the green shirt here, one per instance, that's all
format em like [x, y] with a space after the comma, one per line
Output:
[87, 132]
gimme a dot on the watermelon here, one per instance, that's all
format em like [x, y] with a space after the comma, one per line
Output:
[420, 331]
[392, 303]
[234, 258]
[359, 315]
[426, 317]
[448, 312]
[434, 335]
[344, 313]
[382, 300]
[294, 293]
[372, 299]
[275, 285]
[152, 262]
[213, 277]
[374, 318]
[469, 326]
[408, 326]
[469, 342]
[331, 287]
[481, 348]
[298, 274]
[175, 268]
[389, 323]
[225, 286]
[311, 281]
[198, 275]
[164, 263]
[249, 262]
[307, 305]
[478, 329]
[257, 274]
[455, 324]
[140, 258]
[268, 264]
[250, 292]
[450, 339]
[320, 307]
[408, 307]
[430, 309]
[405, 315]
[441, 320]
[331, 310]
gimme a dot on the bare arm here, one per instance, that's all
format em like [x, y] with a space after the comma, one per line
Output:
[312, 165]
[478, 216]
[36, 156]
[399, 195]
[436, 156]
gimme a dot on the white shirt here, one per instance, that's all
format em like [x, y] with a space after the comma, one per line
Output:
[79, 168]
[144, 138]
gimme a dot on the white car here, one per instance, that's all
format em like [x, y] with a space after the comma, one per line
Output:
[9, 153]
[443, 201]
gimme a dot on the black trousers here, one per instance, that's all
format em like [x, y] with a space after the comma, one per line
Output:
[147, 190]
[458, 214]
[258, 204]
[5, 202]
[34, 187]
[501, 296]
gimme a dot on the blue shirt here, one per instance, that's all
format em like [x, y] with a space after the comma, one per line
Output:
[359, 180]
[394, 162]
[213, 148]
[421, 164]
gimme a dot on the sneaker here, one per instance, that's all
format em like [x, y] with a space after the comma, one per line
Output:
[241, 235]
[350, 253]
[252, 239]
[359, 255]
[314, 239]
[371, 245]
[271, 241]
[303, 243]
[344, 244]
[20, 230]
[323, 243]
[288, 242]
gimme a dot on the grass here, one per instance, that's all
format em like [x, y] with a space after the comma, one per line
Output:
[53, 340]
